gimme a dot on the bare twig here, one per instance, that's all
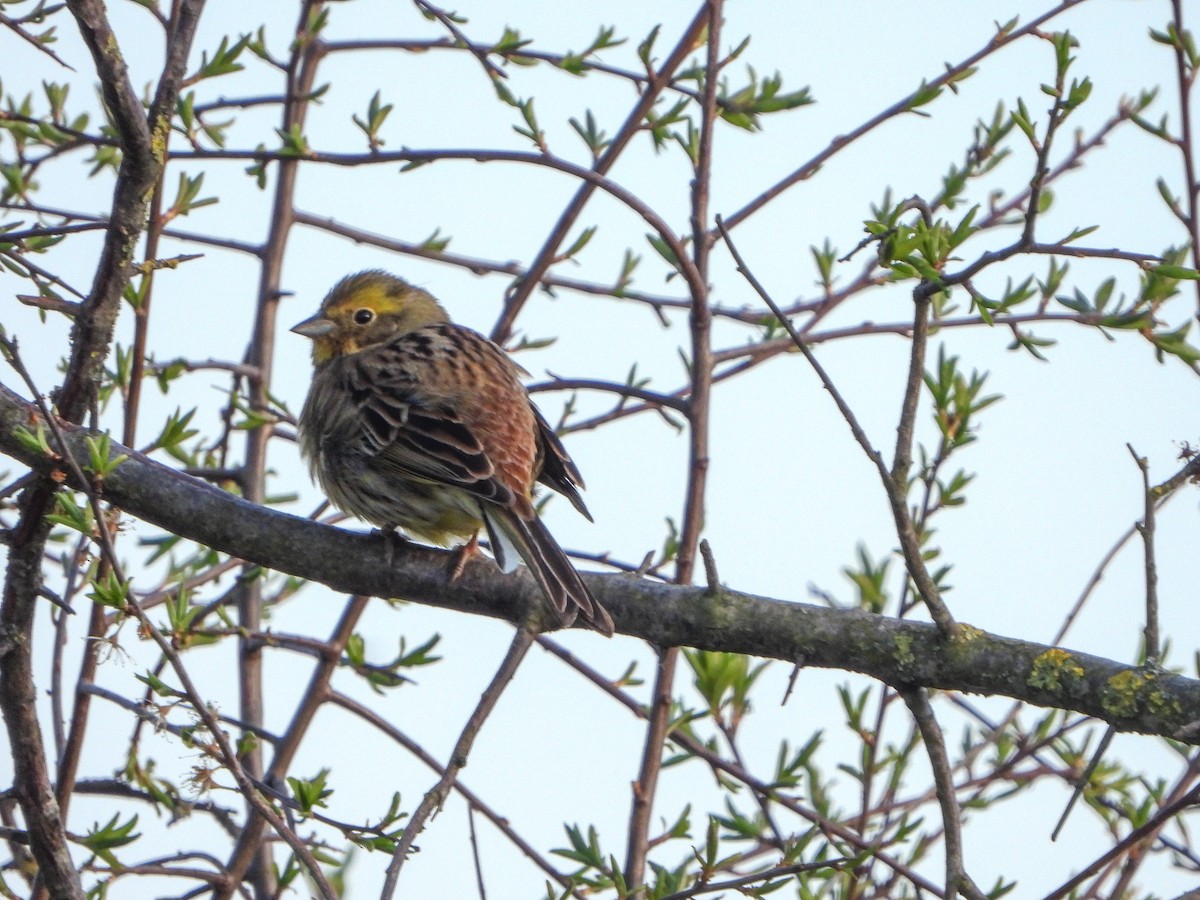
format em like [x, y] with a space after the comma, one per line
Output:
[624, 390]
[1084, 779]
[935, 748]
[645, 787]
[1146, 529]
[710, 567]
[475, 853]
[896, 484]
[501, 823]
[480, 266]
[1137, 854]
[436, 797]
[494, 72]
[949, 75]
[1150, 632]
[1185, 74]
[734, 884]
[633, 124]
[50, 304]
[32, 39]
[893, 480]
[1160, 818]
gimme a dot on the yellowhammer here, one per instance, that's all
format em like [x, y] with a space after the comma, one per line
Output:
[416, 423]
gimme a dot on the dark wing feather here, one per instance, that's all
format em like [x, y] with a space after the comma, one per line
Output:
[558, 470]
[415, 438]
[427, 441]
[550, 567]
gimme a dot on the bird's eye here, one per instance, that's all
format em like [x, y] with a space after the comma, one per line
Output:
[363, 316]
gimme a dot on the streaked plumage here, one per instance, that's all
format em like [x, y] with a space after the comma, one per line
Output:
[413, 422]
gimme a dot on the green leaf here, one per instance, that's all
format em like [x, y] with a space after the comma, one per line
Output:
[1174, 343]
[664, 250]
[310, 793]
[1022, 120]
[580, 242]
[158, 686]
[174, 432]
[223, 61]
[293, 143]
[1171, 271]
[110, 591]
[103, 839]
[923, 95]
[101, 462]
[595, 139]
[646, 47]
[76, 516]
[35, 442]
[510, 43]
[1078, 233]
[436, 242]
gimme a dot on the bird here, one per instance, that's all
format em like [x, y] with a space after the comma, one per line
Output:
[417, 424]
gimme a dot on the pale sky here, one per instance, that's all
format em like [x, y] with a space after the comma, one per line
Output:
[791, 495]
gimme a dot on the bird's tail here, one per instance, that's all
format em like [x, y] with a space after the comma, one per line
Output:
[512, 536]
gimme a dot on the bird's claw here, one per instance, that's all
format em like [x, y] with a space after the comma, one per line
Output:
[460, 555]
[392, 539]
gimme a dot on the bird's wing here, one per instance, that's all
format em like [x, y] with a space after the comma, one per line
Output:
[410, 434]
[557, 470]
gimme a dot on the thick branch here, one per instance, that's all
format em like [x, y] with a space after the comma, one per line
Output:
[896, 652]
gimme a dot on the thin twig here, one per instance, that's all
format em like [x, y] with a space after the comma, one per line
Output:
[480, 52]
[475, 853]
[1083, 781]
[1042, 166]
[896, 484]
[623, 390]
[1157, 821]
[735, 884]
[632, 125]
[1146, 529]
[32, 39]
[699, 408]
[480, 266]
[935, 748]
[892, 484]
[436, 796]
[947, 76]
[1150, 632]
[1185, 77]
[1137, 855]
[474, 801]
[801, 344]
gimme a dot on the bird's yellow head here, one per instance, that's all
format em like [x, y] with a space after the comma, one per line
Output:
[365, 310]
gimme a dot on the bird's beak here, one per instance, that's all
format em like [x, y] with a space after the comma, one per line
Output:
[317, 326]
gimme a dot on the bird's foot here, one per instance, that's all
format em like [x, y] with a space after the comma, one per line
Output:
[460, 555]
[392, 540]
